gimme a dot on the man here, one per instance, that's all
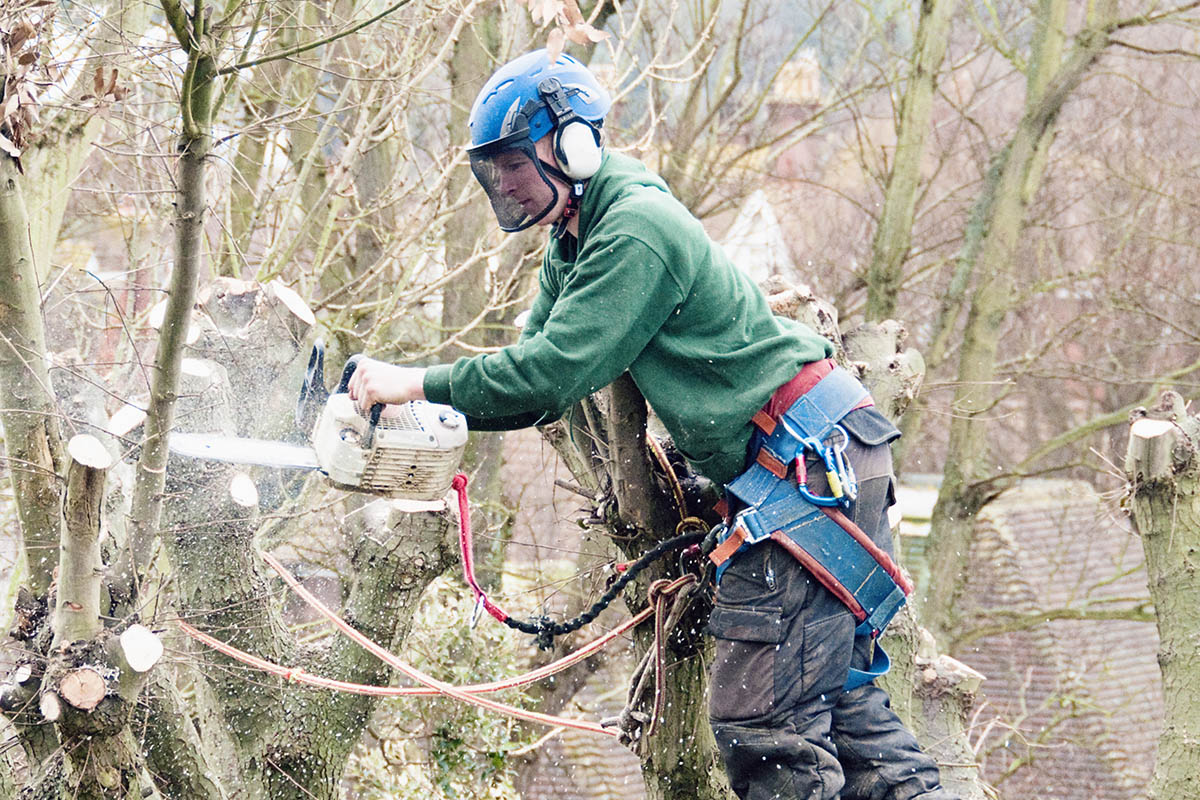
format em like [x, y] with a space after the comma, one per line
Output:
[631, 282]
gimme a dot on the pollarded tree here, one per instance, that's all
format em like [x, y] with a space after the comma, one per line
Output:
[1164, 497]
[166, 539]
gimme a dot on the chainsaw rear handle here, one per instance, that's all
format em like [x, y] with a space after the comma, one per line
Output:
[344, 386]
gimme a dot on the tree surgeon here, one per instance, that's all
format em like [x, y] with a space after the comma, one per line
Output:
[631, 282]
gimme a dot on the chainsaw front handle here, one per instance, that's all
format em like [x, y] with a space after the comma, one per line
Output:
[313, 394]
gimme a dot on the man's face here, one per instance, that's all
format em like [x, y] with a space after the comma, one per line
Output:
[519, 189]
[521, 180]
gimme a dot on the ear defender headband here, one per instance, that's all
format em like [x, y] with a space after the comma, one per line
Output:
[576, 141]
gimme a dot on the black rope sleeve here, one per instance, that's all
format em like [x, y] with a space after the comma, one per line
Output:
[545, 629]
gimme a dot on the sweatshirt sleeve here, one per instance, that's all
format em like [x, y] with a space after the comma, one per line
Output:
[612, 301]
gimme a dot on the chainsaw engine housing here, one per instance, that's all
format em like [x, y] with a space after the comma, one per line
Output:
[412, 453]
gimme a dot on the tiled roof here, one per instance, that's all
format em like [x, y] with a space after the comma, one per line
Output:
[1081, 698]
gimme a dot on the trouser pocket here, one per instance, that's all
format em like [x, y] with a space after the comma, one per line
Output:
[742, 678]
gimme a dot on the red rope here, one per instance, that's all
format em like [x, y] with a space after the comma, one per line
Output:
[465, 544]
[415, 674]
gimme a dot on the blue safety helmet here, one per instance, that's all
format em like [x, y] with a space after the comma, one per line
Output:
[522, 102]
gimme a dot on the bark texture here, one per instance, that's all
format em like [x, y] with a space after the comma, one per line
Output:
[32, 437]
[990, 259]
[893, 234]
[1162, 465]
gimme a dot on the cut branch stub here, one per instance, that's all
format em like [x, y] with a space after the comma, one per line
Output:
[242, 491]
[1151, 453]
[83, 688]
[22, 673]
[88, 451]
[126, 419]
[77, 614]
[50, 706]
[141, 647]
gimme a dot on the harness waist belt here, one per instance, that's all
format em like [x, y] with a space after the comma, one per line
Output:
[839, 554]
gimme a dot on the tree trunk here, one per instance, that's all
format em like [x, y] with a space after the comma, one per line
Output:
[893, 234]
[1163, 470]
[197, 108]
[993, 260]
[32, 440]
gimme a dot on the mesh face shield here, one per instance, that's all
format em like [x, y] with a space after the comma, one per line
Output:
[520, 191]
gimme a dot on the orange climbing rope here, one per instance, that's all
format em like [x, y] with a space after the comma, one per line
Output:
[301, 676]
[430, 685]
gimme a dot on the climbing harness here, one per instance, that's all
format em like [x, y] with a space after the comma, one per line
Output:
[814, 528]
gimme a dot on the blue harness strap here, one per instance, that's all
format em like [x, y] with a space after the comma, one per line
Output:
[828, 544]
[880, 664]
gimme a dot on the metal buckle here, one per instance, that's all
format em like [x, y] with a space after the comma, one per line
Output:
[739, 521]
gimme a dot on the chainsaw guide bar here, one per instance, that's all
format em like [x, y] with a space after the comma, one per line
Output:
[256, 452]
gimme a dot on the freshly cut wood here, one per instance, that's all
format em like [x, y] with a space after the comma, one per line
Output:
[22, 673]
[125, 420]
[83, 688]
[88, 451]
[196, 367]
[50, 706]
[242, 491]
[293, 302]
[1150, 454]
[142, 647]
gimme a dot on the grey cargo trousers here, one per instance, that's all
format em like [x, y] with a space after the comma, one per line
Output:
[784, 644]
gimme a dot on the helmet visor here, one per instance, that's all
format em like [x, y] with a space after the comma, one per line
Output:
[520, 191]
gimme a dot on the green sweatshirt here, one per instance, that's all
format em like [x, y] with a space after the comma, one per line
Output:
[643, 289]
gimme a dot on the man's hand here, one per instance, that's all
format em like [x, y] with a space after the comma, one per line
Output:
[376, 382]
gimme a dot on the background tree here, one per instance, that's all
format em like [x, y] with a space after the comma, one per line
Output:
[1161, 466]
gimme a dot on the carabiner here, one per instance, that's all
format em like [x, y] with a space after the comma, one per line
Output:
[802, 484]
[844, 467]
[478, 611]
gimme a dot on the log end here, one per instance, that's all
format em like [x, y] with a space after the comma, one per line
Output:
[50, 706]
[127, 418]
[89, 451]
[293, 302]
[141, 647]
[83, 688]
[1150, 454]
[242, 491]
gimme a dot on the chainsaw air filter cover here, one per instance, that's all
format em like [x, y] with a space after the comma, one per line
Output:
[411, 454]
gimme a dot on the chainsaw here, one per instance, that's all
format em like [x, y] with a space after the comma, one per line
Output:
[407, 451]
